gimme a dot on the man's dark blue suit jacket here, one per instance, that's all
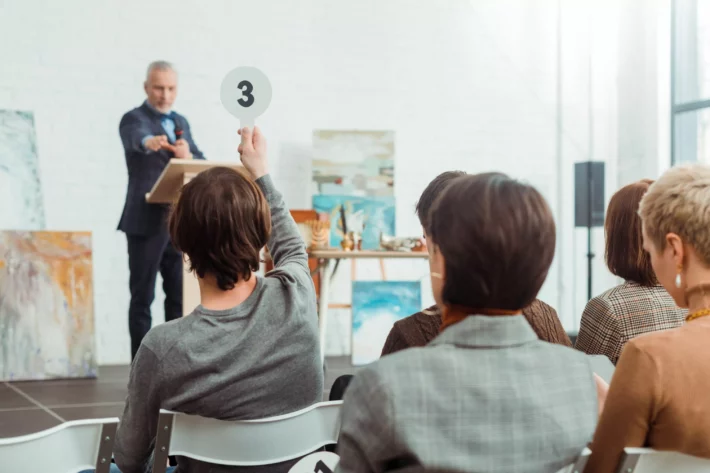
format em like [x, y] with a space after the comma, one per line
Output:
[144, 168]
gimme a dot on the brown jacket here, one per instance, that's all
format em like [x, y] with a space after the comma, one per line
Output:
[658, 397]
[419, 329]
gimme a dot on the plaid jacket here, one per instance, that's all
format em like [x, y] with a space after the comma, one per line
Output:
[622, 313]
[486, 395]
[144, 168]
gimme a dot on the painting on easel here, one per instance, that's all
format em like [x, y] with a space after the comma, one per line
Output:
[353, 162]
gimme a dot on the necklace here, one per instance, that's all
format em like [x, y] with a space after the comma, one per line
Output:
[697, 314]
[702, 312]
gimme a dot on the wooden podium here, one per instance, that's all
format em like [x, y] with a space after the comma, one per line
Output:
[177, 173]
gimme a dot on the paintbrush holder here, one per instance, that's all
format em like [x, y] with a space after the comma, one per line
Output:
[347, 243]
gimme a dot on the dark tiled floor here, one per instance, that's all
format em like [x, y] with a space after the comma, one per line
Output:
[27, 407]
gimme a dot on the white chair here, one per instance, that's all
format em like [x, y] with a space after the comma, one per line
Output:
[579, 464]
[246, 442]
[602, 366]
[67, 448]
[647, 460]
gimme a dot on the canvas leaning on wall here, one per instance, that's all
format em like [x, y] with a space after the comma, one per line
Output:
[46, 306]
[376, 306]
[20, 189]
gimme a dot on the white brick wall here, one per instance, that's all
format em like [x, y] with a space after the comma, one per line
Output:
[465, 85]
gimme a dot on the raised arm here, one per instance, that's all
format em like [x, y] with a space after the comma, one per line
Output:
[285, 244]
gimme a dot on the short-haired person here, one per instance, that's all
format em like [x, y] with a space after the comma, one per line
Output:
[639, 305]
[486, 394]
[658, 397]
[419, 329]
[250, 349]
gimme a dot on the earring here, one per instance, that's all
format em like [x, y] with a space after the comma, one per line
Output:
[678, 281]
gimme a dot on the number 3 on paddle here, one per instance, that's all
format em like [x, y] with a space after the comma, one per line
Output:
[245, 93]
[247, 99]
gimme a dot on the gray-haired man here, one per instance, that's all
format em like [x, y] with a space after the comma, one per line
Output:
[152, 134]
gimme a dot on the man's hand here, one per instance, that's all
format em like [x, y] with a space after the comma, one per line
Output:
[181, 149]
[156, 143]
[252, 152]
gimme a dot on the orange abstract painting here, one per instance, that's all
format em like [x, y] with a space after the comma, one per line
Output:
[46, 305]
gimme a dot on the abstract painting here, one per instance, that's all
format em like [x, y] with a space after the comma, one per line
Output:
[359, 163]
[46, 305]
[377, 216]
[20, 190]
[377, 305]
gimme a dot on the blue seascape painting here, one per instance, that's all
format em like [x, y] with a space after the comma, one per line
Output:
[378, 213]
[377, 305]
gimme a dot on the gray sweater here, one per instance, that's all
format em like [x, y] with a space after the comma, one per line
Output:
[256, 360]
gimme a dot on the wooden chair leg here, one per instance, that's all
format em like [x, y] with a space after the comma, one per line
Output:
[382, 270]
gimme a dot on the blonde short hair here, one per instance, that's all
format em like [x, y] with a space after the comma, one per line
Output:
[679, 202]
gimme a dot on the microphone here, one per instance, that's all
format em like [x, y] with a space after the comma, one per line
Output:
[178, 131]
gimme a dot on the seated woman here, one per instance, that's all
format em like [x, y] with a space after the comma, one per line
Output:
[640, 304]
[658, 397]
[250, 349]
[486, 394]
[419, 329]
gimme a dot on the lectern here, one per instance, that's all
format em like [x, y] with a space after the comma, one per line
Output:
[176, 174]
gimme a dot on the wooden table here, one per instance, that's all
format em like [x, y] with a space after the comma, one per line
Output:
[327, 259]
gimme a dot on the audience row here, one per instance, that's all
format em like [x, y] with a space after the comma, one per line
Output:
[487, 379]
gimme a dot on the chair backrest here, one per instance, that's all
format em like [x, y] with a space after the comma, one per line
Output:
[646, 460]
[246, 442]
[579, 463]
[67, 448]
[602, 366]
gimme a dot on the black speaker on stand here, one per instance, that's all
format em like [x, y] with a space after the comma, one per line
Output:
[589, 205]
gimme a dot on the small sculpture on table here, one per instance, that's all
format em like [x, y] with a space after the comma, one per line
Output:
[347, 243]
[392, 243]
[320, 233]
[356, 225]
[351, 227]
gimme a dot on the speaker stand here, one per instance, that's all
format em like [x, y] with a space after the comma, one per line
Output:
[590, 257]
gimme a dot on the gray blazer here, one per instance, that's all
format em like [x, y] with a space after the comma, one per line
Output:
[486, 395]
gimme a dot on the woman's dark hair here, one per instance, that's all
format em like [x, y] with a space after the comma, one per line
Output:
[497, 237]
[625, 256]
[221, 221]
[432, 191]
